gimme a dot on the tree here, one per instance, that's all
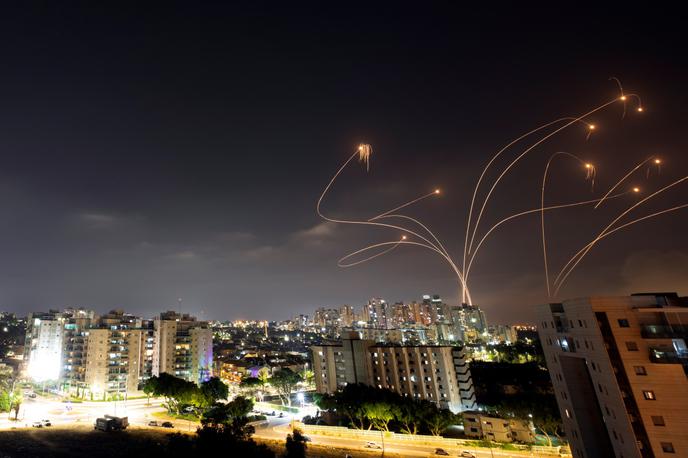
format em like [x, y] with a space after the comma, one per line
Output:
[212, 391]
[439, 419]
[150, 386]
[251, 385]
[264, 375]
[296, 445]
[548, 424]
[284, 381]
[176, 391]
[11, 397]
[308, 377]
[408, 416]
[379, 413]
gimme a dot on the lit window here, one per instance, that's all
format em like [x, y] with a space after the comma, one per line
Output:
[649, 395]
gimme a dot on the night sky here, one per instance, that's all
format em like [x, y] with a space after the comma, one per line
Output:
[179, 150]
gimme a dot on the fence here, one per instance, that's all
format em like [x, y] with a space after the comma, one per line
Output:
[416, 439]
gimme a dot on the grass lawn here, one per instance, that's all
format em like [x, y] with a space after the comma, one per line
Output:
[169, 417]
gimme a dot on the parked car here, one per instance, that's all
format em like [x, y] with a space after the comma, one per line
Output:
[46, 423]
[467, 454]
[37, 424]
[371, 444]
[167, 424]
[153, 423]
[441, 452]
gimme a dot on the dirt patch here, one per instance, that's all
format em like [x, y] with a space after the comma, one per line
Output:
[81, 442]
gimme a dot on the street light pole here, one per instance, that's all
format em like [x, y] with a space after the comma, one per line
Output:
[382, 438]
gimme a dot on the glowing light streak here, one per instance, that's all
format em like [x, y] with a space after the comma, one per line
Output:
[626, 176]
[590, 175]
[573, 262]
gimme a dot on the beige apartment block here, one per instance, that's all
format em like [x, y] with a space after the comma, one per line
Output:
[438, 374]
[619, 365]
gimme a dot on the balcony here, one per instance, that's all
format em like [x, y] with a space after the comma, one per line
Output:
[665, 355]
[656, 331]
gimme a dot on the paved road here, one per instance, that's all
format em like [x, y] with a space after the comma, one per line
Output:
[140, 413]
[277, 429]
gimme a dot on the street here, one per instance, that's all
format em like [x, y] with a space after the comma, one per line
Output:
[278, 428]
[140, 412]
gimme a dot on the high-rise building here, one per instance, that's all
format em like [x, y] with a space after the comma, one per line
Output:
[401, 315]
[100, 356]
[44, 345]
[183, 347]
[619, 368]
[436, 373]
[347, 316]
[75, 347]
[113, 361]
[421, 313]
[326, 318]
[375, 313]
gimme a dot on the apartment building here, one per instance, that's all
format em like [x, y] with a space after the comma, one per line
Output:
[480, 425]
[100, 356]
[44, 345]
[182, 346]
[619, 367]
[113, 361]
[435, 373]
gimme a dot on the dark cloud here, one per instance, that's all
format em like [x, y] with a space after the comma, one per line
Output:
[156, 153]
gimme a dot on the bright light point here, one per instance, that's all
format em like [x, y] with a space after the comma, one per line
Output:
[360, 147]
[623, 97]
[437, 191]
[588, 166]
[403, 237]
[591, 126]
[640, 109]
[636, 189]
[658, 161]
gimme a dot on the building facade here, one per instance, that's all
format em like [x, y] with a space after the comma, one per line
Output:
[102, 356]
[183, 347]
[438, 374]
[619, 367]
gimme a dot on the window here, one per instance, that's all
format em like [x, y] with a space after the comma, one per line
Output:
[649, 395]
[623, 323]
[658, 420]
[640, 370]
[668, 447]
[631, 346]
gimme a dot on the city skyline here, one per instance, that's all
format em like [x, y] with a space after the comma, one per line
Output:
[142, 164]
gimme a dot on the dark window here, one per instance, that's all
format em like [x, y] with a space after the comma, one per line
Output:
[631, 346]
[623, 323]
[658, 420]
[580, 323]
[668, 447]
[649, 395]
[640, 370]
